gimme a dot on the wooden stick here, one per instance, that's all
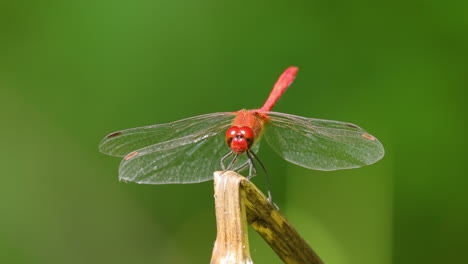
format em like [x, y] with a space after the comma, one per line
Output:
[239, 201]
[232, 239]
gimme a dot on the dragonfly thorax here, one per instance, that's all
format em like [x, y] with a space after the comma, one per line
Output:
[239, 139]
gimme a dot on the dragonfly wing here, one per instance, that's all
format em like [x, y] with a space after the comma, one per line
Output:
[321, 144]
[189, 159]
[122, 142]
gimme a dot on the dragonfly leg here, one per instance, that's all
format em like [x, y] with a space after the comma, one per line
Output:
[244, 167]
[252, 167]
[224, 158]
[231, 164]
[270, 199]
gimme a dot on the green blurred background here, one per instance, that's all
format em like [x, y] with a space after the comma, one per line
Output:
[73, 71]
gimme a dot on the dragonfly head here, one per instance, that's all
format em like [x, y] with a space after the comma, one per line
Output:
[239, 139]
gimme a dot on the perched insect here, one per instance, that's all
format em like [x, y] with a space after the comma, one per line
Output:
[190, 150]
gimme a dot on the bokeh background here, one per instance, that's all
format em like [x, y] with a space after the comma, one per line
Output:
[73, 71]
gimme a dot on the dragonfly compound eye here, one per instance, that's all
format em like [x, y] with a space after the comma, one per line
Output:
[247, 132]
[230, 134]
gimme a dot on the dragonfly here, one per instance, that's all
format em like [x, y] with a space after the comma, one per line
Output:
[191, 149]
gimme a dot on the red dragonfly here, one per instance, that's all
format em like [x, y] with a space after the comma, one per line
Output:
[190, 150]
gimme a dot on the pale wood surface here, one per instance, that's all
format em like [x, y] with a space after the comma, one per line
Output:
[232, 239]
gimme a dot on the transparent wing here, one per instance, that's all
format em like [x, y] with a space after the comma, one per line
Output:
[185, 151]
[321, 144]
[188, 159]
[121, 143]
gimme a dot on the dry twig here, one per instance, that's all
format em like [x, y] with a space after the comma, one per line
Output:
[237, 202]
